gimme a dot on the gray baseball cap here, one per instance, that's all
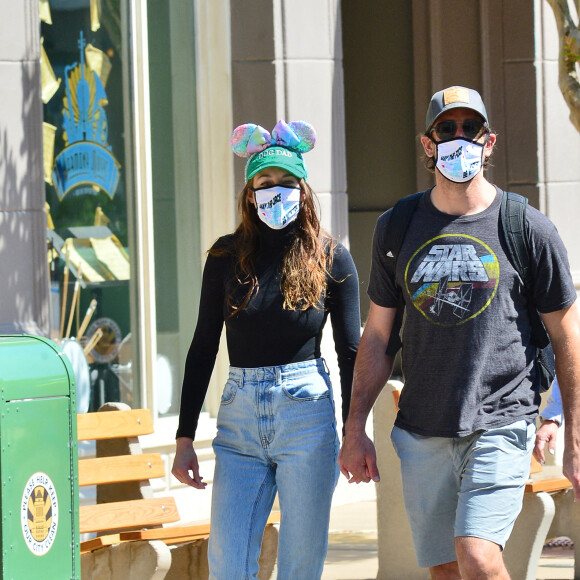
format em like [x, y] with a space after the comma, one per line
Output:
[452, 98]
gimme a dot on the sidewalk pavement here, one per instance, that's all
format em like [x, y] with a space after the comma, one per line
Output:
[352, 552]
[352, 542]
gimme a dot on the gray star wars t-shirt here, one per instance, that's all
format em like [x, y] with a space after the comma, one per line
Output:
[467, 356]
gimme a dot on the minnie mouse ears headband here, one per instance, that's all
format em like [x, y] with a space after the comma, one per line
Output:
[248, 139]
[282, 148]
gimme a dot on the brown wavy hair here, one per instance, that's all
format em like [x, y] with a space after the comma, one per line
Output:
[306, 263]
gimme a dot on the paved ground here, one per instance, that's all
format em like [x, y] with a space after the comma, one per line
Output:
[352, 546]
[557, 564]
[352, 550]
[352, 553]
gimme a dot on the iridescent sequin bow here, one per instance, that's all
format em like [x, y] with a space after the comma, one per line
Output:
[297, 136]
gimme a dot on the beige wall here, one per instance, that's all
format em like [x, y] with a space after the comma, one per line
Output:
[397, 54]
[379, 120]
[287, 64]
[508, 50]
[24, 278]
[558, 142]
[489, 48]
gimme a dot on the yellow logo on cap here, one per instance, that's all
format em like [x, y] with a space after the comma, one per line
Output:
[456, 95]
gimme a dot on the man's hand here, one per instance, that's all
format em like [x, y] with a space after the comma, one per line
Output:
[186, 461]
[357, 458]
[571, 470]
[563, 326]
[546, 434]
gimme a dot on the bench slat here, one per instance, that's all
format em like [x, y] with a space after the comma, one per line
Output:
[120, 468]
[100, 542]
[184, 539]
[104, 541]
[166, 533]
[536, 466]
[171, 535]
[114, 424]
[127, 514]
[548, 484]
[176, 534]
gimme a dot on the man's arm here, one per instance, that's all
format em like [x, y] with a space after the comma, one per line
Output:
[563, 326]
[372, 369]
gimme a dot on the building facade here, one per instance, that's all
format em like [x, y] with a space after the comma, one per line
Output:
[115, 169]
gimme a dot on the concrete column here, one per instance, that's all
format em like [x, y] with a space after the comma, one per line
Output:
[23, 259]
[287, 64]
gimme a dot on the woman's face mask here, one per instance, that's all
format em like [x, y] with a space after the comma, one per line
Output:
[459, 160]
[278, 205]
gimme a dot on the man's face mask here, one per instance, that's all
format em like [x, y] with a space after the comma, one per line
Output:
[278, 206]
[459, 160]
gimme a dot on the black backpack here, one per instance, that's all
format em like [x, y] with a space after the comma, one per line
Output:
[514, 228]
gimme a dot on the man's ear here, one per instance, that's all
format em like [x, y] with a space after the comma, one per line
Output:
[489, 144]
[429, 147]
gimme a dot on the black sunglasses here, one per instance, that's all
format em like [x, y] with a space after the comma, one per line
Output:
[472, 129]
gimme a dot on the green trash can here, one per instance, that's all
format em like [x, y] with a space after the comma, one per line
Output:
[38, 461]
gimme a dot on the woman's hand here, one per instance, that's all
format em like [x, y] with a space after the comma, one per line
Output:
[546, 434]
[186, 461]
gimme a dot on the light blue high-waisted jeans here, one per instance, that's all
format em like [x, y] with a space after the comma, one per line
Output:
[276, 432]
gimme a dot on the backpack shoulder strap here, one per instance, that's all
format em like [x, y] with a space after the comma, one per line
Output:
[399, 221]
[513, 224]
[516, 235]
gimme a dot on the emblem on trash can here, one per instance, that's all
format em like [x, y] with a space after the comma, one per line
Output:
[39, 513]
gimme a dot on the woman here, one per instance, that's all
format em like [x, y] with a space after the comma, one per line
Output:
[273, 282]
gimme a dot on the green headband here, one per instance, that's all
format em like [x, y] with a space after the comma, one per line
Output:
[276, 156]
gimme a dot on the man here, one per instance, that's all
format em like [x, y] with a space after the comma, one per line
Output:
[466, 422]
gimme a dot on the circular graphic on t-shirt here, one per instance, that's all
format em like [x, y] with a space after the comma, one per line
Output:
[452, 278]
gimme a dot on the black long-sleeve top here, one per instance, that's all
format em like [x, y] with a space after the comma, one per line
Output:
[263, 333]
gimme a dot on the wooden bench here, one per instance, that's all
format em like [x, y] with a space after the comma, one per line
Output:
[127, 517]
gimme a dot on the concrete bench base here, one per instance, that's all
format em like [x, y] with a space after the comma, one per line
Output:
[128, 561]
[190, 560]
[524, 548]
[153, 560]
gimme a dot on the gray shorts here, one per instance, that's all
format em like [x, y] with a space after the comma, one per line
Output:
[463, 486]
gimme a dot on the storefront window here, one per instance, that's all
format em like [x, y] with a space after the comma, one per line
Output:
[90, 163]
[88, 160]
